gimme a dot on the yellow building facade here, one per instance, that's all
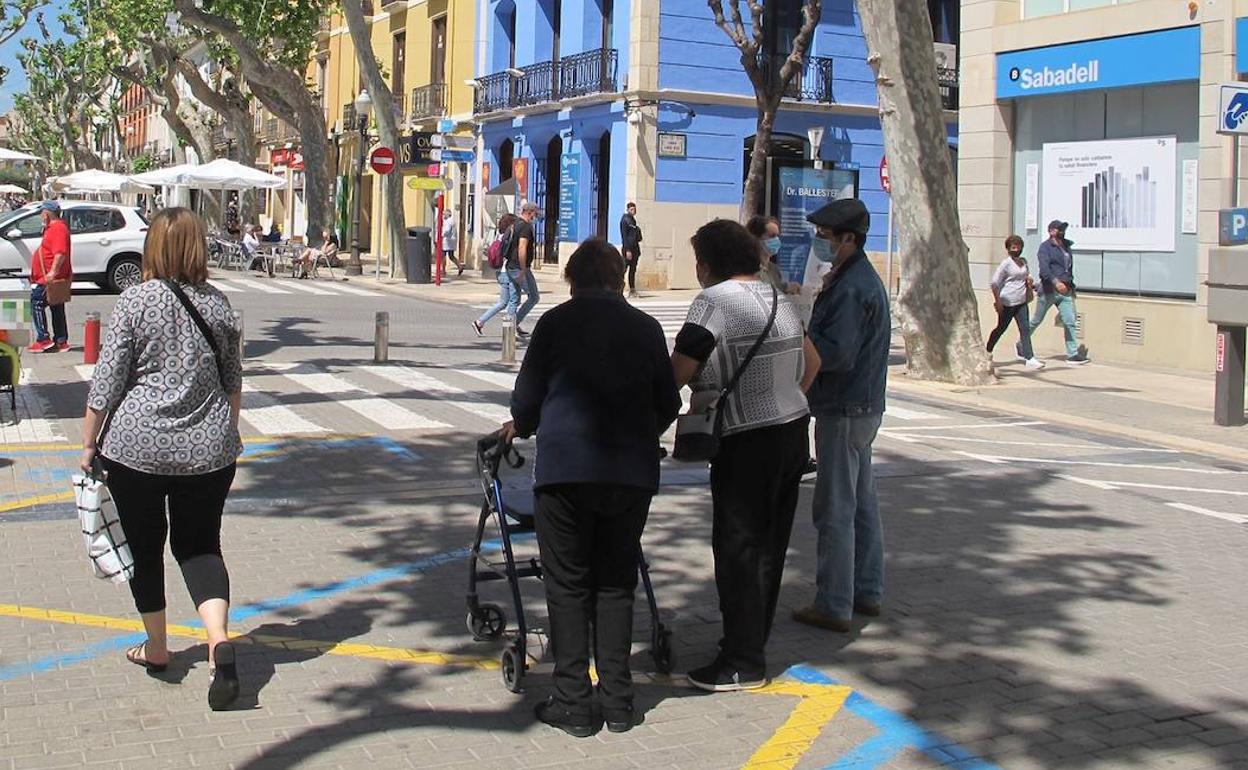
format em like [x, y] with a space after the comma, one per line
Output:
[426, 53]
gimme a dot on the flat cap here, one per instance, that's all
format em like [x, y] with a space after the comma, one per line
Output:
[843, 215]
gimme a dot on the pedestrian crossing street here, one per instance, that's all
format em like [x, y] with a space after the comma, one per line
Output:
[670, 315]
[294, 399]
[241, 285]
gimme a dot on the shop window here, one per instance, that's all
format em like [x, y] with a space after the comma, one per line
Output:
[1034, 8]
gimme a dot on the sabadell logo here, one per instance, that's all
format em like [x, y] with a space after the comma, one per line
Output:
[1028, 78]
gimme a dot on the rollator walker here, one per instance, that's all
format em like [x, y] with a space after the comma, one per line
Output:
[514, 521]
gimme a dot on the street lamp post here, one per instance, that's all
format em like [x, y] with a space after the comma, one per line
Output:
[363, 106]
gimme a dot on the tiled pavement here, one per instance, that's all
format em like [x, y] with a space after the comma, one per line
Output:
[1057, 599]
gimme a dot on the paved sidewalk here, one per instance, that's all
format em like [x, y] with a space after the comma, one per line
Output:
[1168, 407]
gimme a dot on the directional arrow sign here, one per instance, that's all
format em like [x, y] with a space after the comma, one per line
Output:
[452, 142]
[458, 156]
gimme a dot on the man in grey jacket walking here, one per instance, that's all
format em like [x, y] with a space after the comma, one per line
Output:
[850, 327]
[1057, 288]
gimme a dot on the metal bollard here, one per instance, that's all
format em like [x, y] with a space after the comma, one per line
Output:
[509, 341]
[381, 338]
[242, 338]
[91, 338]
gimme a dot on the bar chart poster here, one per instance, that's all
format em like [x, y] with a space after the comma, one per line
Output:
[1117, 194]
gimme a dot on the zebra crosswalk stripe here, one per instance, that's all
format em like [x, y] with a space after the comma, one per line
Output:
[270, 417]
[354, 290]
[383, 412]
[223, 286]
[307, 287]
[902, 413]
[259, 286]
[455, 396]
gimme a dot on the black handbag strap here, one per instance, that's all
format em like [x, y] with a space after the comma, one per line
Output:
[203, 328]
[758, 343]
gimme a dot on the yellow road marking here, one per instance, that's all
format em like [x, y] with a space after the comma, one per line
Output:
[785, 748]
[27, 502]
[344, 649]
[39, 447]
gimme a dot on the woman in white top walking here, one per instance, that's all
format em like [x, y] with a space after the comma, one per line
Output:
[1011, 292]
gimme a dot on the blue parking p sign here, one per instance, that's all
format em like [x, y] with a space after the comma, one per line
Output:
[1233, 109]
[1232, 227]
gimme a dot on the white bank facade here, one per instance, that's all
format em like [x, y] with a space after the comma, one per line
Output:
[1106, 118]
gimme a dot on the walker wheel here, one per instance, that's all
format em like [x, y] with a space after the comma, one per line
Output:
[662, 650]
[512, 665]
[487, 622]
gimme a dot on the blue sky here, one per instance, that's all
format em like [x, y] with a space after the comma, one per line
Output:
[15, 83]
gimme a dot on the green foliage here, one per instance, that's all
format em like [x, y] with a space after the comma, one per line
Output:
[13, 17]
[141, 163]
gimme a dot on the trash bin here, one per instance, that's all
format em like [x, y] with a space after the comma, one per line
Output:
[419, 253]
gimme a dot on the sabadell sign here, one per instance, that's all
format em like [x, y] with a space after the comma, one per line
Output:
[1168, 56]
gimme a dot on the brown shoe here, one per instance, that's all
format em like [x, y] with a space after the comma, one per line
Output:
[813, 616]
[869, 609]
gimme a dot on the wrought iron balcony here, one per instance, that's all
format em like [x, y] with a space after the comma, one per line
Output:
[591, 72]
[428, 101]
[348, 117]
[493, 93]
[538, 85]
[581, 74]
[813, 82]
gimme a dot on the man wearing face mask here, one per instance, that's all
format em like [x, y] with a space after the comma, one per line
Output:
[850, 329]
[1057, 287]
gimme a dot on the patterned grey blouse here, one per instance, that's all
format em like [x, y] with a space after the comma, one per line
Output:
[157, 374]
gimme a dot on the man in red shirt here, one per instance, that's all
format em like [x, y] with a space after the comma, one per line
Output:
[50, 263]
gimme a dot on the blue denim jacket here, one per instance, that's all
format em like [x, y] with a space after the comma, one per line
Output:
[851, 327]
[1056, 264]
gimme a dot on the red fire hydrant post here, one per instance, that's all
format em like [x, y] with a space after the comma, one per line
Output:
[91, 338]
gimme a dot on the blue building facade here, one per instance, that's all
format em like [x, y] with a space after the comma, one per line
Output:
[591, 104]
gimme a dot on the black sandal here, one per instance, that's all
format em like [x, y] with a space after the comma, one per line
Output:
[223, 690]
[138, 656]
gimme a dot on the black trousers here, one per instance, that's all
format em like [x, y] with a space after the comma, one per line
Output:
[754, 488]
[589, 536]
[631, 263]
[193, 527]
[1017, 314]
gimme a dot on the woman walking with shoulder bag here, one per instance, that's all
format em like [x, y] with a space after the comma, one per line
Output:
[169, 379]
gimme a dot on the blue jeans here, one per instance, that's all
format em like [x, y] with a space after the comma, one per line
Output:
[1065, 310]
[508, 295]
[847, 517]
[39, 304]
[532, 295]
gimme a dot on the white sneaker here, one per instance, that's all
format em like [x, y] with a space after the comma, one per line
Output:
[1018, 352]
[1035, 363]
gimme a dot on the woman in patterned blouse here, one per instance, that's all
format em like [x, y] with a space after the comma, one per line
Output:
[172, 396]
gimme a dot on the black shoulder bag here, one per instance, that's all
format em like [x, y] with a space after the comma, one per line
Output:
[202, 325]
[698, 435]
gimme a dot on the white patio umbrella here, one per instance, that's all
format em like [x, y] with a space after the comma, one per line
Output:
[93, 181]
[6, 189]
[162, 177]
[7, 155]
[225, 174]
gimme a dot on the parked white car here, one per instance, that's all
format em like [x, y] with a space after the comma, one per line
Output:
[106, 238]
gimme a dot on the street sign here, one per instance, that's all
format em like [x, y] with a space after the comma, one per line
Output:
[1232, 227]
[433, 169]
[428, 183]
[445, 125]
[886, 181]
[452, 142]
[416, 148]
[382, 160]
[458, 156]
[1233, 109]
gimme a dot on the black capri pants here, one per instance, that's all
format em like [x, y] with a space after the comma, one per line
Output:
[193, 526]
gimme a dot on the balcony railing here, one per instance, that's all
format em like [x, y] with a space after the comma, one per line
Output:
[581, 74]
[348, 117]
[592, 72]
[493, 93]
[429, 101]
[812, 83]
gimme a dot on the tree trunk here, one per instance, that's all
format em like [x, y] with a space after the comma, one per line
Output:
[285, 93]
[756, 178]
[937, 309]
[383, 108]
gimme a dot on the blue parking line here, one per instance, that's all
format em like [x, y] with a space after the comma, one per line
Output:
[244, 612]
[896, 733]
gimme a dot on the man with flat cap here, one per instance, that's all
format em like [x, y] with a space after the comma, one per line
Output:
[850, 327]
[1057, 287]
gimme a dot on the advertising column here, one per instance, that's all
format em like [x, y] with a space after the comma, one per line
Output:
[803, 190]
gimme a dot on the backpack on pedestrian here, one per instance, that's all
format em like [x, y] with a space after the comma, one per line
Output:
[496, 255]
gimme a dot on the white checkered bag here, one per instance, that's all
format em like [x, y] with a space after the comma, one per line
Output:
[101, 530]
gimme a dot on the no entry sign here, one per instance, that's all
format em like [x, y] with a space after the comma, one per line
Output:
[382, 160]
[886, 181]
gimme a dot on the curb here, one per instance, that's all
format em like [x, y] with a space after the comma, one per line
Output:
[954, 393]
